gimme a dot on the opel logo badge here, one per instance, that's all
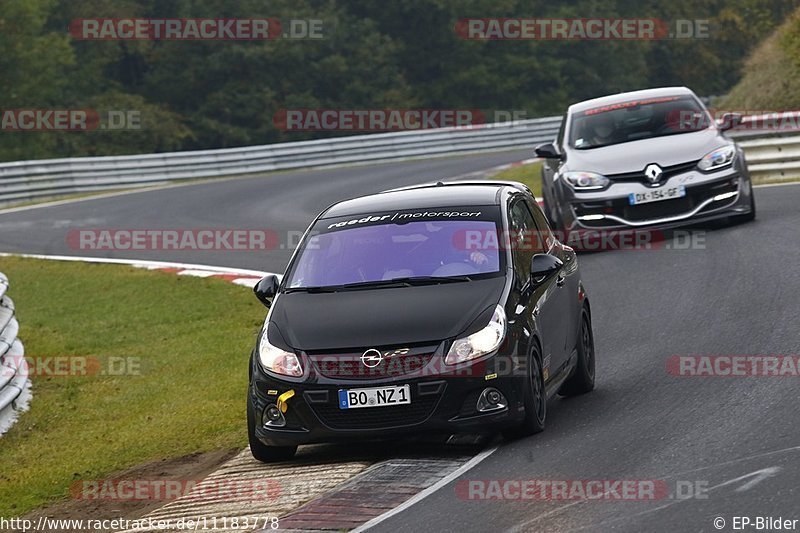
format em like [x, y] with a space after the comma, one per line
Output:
[371, 358]
[653, 173]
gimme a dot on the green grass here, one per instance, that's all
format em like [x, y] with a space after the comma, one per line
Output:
[193, 337]
[530, 175]
[771, 75]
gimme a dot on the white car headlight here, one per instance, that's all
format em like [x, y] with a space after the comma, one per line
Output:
[719, 158]
[481, 342]
[276, 360]
[585, 181]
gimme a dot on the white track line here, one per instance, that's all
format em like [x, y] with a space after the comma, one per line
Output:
[780, 184]
[427, 492]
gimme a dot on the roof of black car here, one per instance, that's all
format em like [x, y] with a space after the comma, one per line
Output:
[455, 194]
[627, 97]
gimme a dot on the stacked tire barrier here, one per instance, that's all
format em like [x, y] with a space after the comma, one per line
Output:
[14, 383]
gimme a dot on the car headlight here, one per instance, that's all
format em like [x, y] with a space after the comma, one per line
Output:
[479, 343]
[585, 181]
[276, 360]
[721, 157]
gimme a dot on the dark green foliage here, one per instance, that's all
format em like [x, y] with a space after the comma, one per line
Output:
[375, 54]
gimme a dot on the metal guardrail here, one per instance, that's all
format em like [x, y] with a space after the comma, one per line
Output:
[27, 180]
[14, 383]
[771, 155]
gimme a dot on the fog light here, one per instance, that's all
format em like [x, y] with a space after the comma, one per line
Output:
[491, 399]
[273, 417]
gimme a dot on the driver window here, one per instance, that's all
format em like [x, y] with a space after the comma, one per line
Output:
[546, 238]
[525, 239]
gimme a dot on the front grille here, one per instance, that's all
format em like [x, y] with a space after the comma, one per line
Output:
[667, 172]
[661, 209]
[620, 207]
[349, 365]
[418, 411]
[353, 368]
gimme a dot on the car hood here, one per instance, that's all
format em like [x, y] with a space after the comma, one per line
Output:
[635, 155]
[382, 317]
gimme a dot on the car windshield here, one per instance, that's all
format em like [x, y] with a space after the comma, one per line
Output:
[636, 120]
[411, 246]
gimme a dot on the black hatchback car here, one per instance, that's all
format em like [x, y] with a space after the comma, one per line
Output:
[438, 309]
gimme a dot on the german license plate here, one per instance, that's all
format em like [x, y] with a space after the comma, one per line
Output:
[374, 397]
[656, 195]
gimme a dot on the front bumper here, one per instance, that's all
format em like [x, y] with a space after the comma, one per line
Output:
[708, 196]
[441, 403]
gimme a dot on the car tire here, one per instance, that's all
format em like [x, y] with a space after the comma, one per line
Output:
[259, 450]
[582, 381]
[556, 224]
[534, 401]
[747, 217]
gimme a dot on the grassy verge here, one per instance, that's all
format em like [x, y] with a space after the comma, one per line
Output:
[190, 339]
[530, 175]
[771, 73]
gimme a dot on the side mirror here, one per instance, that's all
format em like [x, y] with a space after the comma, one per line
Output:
[729, 121]
[547, 151]
[266, 289]
[543, 266]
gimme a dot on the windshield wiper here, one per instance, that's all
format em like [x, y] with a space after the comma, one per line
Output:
[330, 288]
[406, 281]
[426, 280]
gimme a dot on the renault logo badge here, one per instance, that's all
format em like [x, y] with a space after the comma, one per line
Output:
[653, 173]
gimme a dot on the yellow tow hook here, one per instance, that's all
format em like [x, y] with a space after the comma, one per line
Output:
[282, 399]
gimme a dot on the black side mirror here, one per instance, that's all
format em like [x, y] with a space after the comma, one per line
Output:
[547, 151]
[729, 121]
[543, 266]
[266, 289]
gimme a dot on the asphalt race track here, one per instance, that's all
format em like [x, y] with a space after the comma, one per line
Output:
[279, 203]
[732, 298]
[735, 439]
